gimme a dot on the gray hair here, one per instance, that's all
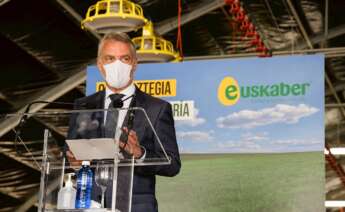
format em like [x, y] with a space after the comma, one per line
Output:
[116, 36]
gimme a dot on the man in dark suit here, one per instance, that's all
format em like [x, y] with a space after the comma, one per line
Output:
[117, 63]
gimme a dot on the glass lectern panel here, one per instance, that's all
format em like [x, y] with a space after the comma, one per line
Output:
[113, 142]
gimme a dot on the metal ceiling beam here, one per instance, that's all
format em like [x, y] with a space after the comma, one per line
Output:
[47, 125]
[299, 23]
[2, 2]
[13, 156]
[333, 91]
[310, 45]
[332, 182]
[10, 153]
[328, 34]
[34, 197]
[330, 158]
[337, 88]
[213, 40]
[218, 46]
[75, 15]
[324, 42]
[329, 53]
[9, 193]
[332, 33]
[51, 127]
[338, 193]
[50, 94]
[33, 54]
[203, 8]
[335, 105]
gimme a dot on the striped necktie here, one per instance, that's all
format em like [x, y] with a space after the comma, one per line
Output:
[112, 116]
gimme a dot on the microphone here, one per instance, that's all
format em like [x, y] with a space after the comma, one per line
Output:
[118, 103]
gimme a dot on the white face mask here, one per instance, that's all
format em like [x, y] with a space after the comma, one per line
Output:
[117, 74]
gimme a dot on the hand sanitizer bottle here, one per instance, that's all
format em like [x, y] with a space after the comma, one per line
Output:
[66, 195]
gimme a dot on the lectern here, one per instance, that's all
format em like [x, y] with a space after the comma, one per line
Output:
[86, 134]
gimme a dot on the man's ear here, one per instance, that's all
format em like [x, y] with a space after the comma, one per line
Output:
[100, 67]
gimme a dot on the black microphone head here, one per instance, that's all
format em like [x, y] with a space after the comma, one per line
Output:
[117, 103]
[116, 100]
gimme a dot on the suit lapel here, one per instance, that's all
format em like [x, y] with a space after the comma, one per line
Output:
[95, 101]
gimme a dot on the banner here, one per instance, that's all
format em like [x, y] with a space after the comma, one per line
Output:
[250, 131]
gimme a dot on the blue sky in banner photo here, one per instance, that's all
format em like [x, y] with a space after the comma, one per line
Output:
[254, 124]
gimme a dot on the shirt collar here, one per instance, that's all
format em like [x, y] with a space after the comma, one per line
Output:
[130, 90]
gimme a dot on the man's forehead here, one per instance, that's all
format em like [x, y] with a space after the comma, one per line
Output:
[117, 47]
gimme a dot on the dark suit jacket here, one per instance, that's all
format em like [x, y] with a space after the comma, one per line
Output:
[160, 114]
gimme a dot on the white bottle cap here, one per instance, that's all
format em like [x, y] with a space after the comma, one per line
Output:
[85, 163]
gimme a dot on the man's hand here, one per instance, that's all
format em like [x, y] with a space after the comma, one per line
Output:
[132, 146]
[71, 159]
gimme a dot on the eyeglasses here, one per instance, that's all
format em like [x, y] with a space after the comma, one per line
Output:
[109, 59]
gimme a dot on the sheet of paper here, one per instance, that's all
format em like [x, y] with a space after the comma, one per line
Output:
[89, 149]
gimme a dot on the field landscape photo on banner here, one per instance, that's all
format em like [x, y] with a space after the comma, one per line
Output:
[250, 132]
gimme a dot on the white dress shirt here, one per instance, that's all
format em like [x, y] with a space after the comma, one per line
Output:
[129, 91]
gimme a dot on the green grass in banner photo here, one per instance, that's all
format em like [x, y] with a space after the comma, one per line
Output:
[245, 182]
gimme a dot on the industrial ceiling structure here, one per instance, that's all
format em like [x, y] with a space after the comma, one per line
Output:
[44, 55]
